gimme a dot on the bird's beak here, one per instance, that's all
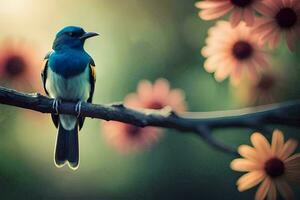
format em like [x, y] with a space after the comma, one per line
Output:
[88, 35]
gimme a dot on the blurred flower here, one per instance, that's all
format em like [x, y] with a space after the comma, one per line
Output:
[126, 137]
[157, 96]
[232, 51]
[19, 65]
[266, 90]
[242, 10]
[271, 164]
[280, 17]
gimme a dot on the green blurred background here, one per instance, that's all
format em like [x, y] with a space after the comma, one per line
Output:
[139, 40]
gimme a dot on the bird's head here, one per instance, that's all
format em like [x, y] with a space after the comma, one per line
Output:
[71, 37]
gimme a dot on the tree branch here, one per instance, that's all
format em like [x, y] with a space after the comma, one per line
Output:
[200, 123]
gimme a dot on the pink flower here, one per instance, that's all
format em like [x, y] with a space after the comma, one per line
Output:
[270, 165]
[242, 10]
[280, 17]
[126, 137]
[19, 65]
[157, 96]
[231, 51]
[265, 91]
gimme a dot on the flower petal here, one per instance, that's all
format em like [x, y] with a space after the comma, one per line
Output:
[235, 76]
[235, 17]
[272, 193]
[293, 161]
[277, 142]
[263, 26]
[248, 152]
[250, 180]
[261, 60]
[288, 148]
[290, 39]
[284, 189]
[261, 144]
[244, 165]
[249, 16]
[161, 90]
[263, 190]
[253, 70]
[292, 168]
[275, 5]
[176, 100]
[286, 3]
[144, 90]
[132, 101]
[223, 70]
[212, 63]
[214, 13]
[274, 40]
[210, 4]
[264, 10]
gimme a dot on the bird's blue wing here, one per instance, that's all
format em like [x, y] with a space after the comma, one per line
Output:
[44, 78]
[92, 69]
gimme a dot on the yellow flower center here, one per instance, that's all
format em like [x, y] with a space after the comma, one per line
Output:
[241, 3]
[242, 50]
[286, 18]
[14, 66]
[274, 167]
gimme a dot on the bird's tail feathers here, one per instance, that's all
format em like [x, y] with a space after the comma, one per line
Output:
[67, 147]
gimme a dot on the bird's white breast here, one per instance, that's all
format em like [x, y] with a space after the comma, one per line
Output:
[73, 89]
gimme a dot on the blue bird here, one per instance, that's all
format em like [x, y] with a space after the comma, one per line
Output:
[69, 75]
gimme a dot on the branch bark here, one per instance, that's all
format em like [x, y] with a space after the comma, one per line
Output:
[200, 123]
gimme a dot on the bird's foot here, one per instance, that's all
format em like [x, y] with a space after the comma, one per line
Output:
[55, 105]
[78, 108]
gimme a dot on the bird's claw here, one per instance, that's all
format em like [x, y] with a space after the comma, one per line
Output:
[78, 108]
[55, 105]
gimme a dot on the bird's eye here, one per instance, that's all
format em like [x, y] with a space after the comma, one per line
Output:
[71, 34]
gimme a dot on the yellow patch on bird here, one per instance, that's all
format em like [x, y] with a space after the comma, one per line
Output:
[93, 71]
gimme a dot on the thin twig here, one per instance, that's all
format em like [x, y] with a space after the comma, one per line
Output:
[200, 123]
